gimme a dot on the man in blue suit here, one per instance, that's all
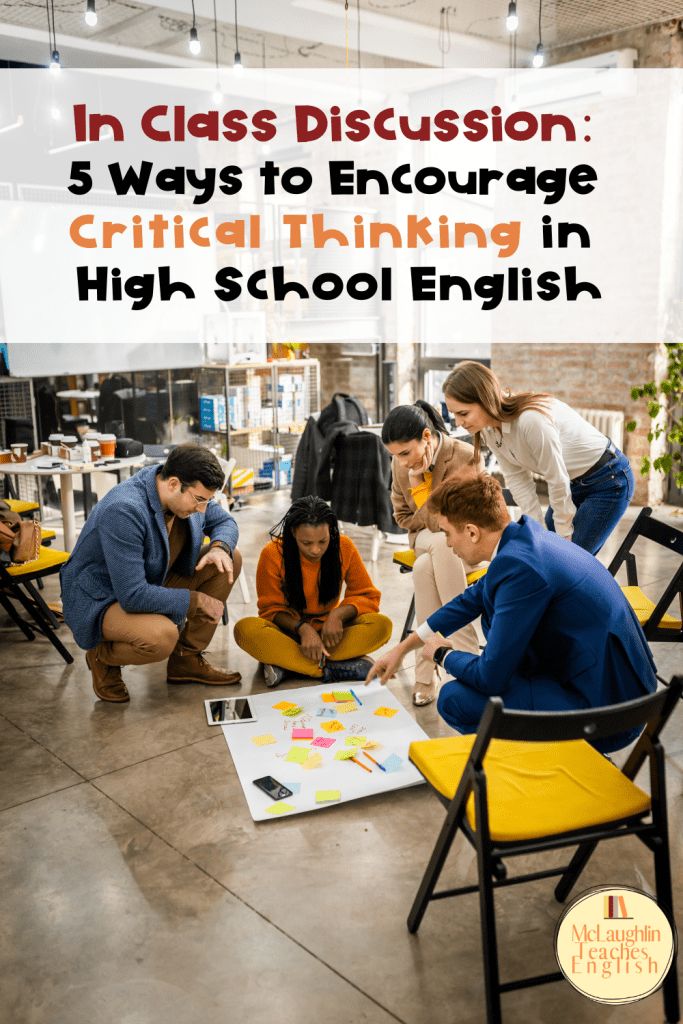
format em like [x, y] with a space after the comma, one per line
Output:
[560, 633]
[137, 588]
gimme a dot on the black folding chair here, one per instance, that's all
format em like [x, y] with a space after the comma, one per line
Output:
[653, 617]
[16, 587]
[529, 782]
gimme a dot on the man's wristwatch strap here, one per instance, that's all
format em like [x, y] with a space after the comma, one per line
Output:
[223, 545]
[440, 654]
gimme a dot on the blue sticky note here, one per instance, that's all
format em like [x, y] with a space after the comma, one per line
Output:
[393, 763]
[326, 713]
[294, 786]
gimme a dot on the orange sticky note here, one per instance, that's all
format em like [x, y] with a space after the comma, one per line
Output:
[386, 712]
[284, 705]
[333, 726]
[327, 697]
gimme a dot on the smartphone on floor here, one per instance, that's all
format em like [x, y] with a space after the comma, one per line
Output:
[272, 788]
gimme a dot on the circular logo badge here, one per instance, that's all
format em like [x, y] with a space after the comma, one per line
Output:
[614, 945]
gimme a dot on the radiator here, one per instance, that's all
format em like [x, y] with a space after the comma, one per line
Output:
[608, 421]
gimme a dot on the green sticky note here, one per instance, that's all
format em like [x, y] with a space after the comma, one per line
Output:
[344, 755]
[327, 796]
[293, 712]
[342, 695]
[355, 741]
[280, 808]
[298, 755]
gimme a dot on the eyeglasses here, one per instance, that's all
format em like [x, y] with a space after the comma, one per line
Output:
[199, 501]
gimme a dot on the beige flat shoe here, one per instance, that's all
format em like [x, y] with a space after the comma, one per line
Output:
[425, 693]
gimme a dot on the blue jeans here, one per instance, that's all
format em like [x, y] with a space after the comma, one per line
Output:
[601, 498]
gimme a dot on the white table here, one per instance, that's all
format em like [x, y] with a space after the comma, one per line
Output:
[66, 471]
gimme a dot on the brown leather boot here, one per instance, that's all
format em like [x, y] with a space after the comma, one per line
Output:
[106, 680]
[191, 667]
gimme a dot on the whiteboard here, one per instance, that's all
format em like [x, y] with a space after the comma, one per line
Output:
[393, 736]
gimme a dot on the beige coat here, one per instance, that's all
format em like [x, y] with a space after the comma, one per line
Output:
[451, 457]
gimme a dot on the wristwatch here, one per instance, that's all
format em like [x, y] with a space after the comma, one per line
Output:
[297, 626]
[222, 545]
[440, 654]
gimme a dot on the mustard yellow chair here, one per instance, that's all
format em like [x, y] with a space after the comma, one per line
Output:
[405, 560]
[25, 509]
[529, 782]
[653, 617]
[16, 586]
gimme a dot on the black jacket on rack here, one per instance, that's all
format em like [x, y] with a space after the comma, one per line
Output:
[314, 458]
[361, 482]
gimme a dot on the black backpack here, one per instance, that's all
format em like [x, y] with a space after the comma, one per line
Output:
[342, 409]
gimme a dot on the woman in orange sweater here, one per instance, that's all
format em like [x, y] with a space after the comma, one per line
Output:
[305, 626]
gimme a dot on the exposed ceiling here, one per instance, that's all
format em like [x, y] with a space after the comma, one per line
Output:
[312, 33]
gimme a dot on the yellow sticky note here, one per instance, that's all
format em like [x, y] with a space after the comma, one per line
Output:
[293, 712]
[386, 712]
[263, 741]
[314, 760]
[371, 745]
[327, 796]
[343, 709]
[280, 808]
[344, 755]
[355, 741]
[297, 755]
[333, 726]
[284, 705]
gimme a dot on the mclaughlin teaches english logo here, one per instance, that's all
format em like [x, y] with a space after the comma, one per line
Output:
[614, 945]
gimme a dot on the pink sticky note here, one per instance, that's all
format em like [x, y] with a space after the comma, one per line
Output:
[302, 734]
[323, 741]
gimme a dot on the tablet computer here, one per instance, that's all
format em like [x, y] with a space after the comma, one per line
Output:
[228, 712]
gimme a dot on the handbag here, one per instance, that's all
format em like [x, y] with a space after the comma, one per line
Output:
[19, 538]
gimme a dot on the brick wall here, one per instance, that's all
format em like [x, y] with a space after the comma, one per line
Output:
[658, 46]
[595, 377]
[353, 374]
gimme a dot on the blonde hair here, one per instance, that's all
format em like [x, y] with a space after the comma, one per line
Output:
[475, 384]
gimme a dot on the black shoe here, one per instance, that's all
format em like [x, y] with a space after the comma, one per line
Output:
[353, 670]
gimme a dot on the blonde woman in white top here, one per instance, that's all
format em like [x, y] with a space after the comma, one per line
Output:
[590, 482]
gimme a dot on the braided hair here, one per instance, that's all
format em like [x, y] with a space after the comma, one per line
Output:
[309, 511]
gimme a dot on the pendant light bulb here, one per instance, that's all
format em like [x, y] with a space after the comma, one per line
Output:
[538, 59]
[237, 66]
[54, 61]
[512, 21]
[195, 45]
[90, 13]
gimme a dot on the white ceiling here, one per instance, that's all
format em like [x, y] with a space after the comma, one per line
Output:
[311, 33]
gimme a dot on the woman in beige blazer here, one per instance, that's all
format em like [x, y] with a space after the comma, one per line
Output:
[423, 457]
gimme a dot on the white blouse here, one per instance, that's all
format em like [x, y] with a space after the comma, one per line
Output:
[558, 447]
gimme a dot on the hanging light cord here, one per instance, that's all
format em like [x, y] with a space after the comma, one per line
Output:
[215, 33]
[445, 32]
[194, 20]
[237, 45]
[358, 31]
[540, 8]
[51, 32]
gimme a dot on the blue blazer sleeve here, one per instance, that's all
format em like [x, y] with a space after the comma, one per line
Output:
[125, 529]
[519, 600]
[464, 608]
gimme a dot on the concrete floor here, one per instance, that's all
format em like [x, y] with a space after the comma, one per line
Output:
[137, 889]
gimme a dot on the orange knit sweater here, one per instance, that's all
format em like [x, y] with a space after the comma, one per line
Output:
[360, 591]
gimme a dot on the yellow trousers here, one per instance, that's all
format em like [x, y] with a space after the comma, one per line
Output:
[266, 642]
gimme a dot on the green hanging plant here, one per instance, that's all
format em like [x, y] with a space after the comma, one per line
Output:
[671, 425]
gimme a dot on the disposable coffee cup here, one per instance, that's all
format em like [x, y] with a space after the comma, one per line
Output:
[69, 440]
[5, 456]
[108, 445]
[94, 446]
[19, 452]
[45, 448]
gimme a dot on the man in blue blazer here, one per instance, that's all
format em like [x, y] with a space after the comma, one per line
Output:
[135, 589]
[560, 633]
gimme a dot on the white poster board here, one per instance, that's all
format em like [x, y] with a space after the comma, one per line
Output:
[390, 734]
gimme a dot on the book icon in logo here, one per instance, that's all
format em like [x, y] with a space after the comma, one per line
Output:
[615, 909]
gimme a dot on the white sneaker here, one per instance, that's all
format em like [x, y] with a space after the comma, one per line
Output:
[272, 674]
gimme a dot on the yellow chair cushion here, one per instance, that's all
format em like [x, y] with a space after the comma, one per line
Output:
[644, 607]
[475, 575]
[405, 558]
[21, 506]
[534, 789]
[48, 559]
[47, 534]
